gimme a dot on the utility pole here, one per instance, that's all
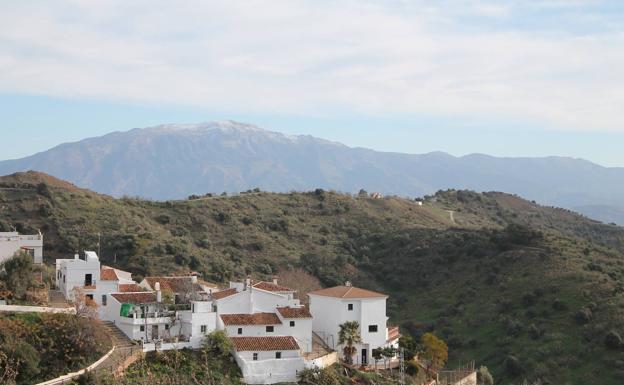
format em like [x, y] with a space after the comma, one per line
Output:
[99, 246]
[401, 366]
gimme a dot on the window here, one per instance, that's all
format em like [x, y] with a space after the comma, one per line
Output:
[240, 331]
[103, 299]
[63, 279]
[192, 308]
[372, 328]
[166, 326]
[278, 355]
[214, 308]
[292, 324]
[89, 296]
[350, 307]
[255, 356]
[142, 328]
[204, 328]
[269, 329]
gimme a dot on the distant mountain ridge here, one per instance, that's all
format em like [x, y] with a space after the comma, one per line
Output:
[175, 160]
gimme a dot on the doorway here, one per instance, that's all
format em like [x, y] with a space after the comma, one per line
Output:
[154, 332]
[364, 356]
[88, 279]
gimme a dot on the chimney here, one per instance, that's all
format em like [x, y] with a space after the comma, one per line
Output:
[275, 280]
[158, 292]
[76, 256]
[193, 278]
[348, 283]
[247, 283]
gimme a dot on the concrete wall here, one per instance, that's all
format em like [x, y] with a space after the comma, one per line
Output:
[269, 371]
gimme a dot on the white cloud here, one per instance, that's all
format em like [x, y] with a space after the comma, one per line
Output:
[315, 56]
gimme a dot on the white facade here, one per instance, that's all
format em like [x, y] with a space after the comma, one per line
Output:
[12, 242]
[334, 306]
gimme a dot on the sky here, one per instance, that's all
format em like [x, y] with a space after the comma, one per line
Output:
[506, 78]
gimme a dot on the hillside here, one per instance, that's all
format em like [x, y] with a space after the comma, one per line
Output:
[174, 161]
[529, 291]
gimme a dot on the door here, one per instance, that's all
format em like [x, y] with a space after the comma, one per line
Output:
[154, 332]
[88, 279]
[364, 356]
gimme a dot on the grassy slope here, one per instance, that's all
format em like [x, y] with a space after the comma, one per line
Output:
[474, 283]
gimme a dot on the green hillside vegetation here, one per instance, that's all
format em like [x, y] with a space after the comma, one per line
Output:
[529, 291]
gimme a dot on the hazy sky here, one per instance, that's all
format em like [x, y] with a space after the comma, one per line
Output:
[513, 78]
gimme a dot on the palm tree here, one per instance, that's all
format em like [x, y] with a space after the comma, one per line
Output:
[348, 336]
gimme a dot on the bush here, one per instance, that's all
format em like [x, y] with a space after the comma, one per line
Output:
[484, 377]
[583, 315]
[613, 340]
[513, 366]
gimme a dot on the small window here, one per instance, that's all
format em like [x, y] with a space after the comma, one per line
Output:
[240, 331]
[372, 328]
[104, 300]
[214, 308]
[255, 356]
[89, 296]
[204, 328]
[278, 355]
[166, 326]
[192, 308]
[63, 279]
[142, 328]
[269, 329]
[292, 324]
[350, 306]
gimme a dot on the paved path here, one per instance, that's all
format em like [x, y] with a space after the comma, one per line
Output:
[451, 215]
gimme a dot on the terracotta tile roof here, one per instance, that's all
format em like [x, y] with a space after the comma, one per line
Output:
[174, 284]
[393, 333]
[108, 274]
[348, 292]
[294, 312]
[223, 293]
[251, 319]
[270, 286]
[264, 343]
[129, 288]
[136, 298]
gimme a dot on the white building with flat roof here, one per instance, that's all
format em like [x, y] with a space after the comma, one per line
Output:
[13, 242]
[334, 306]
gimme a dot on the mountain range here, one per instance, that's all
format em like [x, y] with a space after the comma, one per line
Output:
[176, 160]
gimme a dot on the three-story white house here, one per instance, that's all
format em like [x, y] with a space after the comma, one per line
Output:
[334, 306]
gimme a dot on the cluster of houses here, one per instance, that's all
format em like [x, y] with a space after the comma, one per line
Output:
[273, 335]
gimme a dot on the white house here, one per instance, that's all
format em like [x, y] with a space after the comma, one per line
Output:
[12, 242]
[94, 280]
[268, 360]
[333, 306]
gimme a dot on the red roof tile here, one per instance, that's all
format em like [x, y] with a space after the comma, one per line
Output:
[294, 312]
[223, 293]
[129, 288]
[136, 298]
[108, 274]
[251, 319]
[270, 286]
[348, 292]
[264, 343]
[393, 333]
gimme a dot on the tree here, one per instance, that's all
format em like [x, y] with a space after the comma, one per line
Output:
[348, 336]
[484, 377]
[85, 306]
[217, 344]
[17, 274]
[435, 352]
[388, 353]
[409, 346]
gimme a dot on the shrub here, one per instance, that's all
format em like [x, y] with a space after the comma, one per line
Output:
[583, 315]
[613, 340]
[512, 365]
[484, 377]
